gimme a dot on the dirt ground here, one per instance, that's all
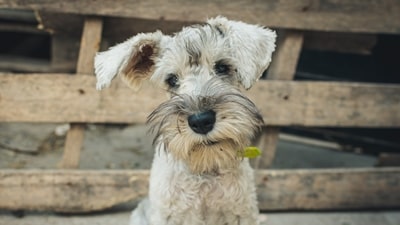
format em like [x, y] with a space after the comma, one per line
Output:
[122, 218]
[24, 146]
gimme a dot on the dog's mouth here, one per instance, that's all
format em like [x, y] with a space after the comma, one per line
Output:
[210, 143]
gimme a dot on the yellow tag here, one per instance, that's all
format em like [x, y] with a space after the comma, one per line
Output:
[251, 152]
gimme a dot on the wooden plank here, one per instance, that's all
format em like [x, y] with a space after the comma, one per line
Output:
[69, 190]
[66, 98]
[24, 64]
[284, 63]
[353, 43]
[389, 159]
[72, 147]
[328, 189]
[32, 65]
[266, 142]
[118, 29]
[90, 44]
[84, 191]
[283, 67]
[328, 104]
[340, 15]
[24, 16]
[114, 28]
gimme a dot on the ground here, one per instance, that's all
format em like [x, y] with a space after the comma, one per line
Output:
[308, 218]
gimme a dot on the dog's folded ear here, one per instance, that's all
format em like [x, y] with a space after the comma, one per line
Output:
[132, 60]
[251, 45]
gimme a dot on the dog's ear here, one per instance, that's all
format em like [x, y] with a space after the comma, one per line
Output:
[133, 60]
[251, 46]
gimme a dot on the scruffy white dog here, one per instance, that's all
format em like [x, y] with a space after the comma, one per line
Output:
[199, 173]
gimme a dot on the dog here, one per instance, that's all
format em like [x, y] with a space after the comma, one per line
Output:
[199, 173]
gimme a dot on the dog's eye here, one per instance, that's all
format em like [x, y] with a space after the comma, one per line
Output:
[172, 80]
[221, 68]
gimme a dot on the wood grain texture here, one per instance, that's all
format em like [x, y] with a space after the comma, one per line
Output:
[286, 56]
[69, 190]
[328, 189]
[66, 98]
[266, 142]
[116, 30]
[73, 146]
[84, 191]
[90, 43]
[283, 67]
[389, 159]
[340, 15]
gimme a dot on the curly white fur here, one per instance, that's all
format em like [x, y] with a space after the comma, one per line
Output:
[197, 178]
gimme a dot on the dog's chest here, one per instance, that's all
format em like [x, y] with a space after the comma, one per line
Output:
[214, 199]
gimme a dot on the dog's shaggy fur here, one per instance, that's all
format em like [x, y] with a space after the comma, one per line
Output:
[199, 174]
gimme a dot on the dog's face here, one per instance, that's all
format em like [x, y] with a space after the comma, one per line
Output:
[207, 122]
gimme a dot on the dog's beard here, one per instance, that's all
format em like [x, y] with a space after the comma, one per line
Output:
[237, 121]
[208, 154]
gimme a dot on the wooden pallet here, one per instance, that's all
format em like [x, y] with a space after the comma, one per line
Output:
[73, 99]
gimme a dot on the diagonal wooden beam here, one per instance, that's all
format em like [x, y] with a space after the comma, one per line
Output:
[283, 67]
[90, 44]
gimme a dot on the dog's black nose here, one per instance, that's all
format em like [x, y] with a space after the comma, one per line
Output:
[203, 122]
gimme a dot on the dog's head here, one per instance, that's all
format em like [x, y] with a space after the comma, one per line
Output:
[207, 122]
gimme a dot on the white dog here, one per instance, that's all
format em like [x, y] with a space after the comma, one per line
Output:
[199, 174]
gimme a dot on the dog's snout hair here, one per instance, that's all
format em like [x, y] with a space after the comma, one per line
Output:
[237, 121]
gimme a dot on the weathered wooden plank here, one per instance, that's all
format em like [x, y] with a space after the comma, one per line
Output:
[353, 43]
[340, 15]
[118, 29]
[389, 159]
[25, 16]
[114, 28]
[328, 103]
[24, 64]
[69, 98]
[69, 190]
[66, 98]
[266, 142]
[283, 67]
[284, 64]
[328, 189]
[73, 146]
[83, 191]
[90, 44]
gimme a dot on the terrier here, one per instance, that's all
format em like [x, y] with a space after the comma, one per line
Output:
[199, 175]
